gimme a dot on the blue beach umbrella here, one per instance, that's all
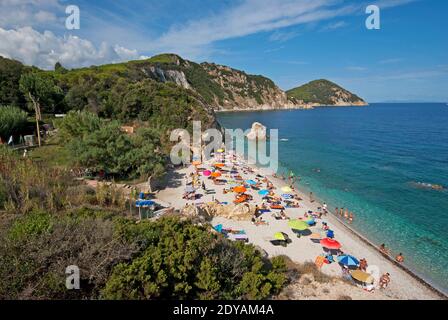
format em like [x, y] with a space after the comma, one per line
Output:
[287, 196]
[251, 182]
[263, 192]
[218, 228]
[348, 260]
[311, 222]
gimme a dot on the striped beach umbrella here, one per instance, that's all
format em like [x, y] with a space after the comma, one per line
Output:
[348, 260]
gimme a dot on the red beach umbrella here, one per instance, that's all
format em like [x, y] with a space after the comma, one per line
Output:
[330, 244]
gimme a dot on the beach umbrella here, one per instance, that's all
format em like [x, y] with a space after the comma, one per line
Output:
[362, 276]
[220, 150]
[206, 173]
[298, 225]
[348, 260]
[218, 228]
[251, 182]
[287, 196]
[310, 222]
[239, 189]
[280, 236]
[216, 174]
[189, 189]
[196, 163]
[263, 192]
[218, 165]
[330, 244]
[286, 189]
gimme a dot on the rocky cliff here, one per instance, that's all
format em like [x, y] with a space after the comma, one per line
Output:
[222, 87]
[228, 89]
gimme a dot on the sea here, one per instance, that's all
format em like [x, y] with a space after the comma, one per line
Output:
[384, 162]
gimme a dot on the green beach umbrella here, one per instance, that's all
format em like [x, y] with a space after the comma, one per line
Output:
[298, 225]
[280, 236]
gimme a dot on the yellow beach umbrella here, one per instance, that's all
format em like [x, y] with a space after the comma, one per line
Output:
[220, 150]
[286, 189]
[298, 225]
[280, 236]
[362, 276]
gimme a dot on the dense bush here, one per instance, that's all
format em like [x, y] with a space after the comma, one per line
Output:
[184, 261]
[12, 121]
[37, 248]
[102, 145]
[118, 259]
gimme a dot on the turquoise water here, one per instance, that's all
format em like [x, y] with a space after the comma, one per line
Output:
[369, 161]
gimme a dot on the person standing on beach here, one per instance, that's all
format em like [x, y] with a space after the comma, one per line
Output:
[346, 214]
[341, 212]
[350, 218]
[336, 212]
[311, 197]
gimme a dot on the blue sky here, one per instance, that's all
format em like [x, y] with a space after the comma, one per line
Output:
[289, 41]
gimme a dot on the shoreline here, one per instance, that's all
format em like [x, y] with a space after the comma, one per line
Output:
[336, 220]
[405, 284]
[297, 107]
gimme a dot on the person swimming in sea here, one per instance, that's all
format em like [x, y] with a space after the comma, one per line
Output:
[399, 258]
[350, 218]
[383, 249]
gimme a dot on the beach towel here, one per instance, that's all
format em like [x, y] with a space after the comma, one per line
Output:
[319, 262]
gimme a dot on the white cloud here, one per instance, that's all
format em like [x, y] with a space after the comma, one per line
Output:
[334, 26]
[45, 49]
[279, 36]
[19, 13]
[251, 16]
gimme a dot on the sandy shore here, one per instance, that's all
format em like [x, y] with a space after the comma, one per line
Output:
[403, 285]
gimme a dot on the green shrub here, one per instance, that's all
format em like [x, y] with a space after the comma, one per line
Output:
[184, 261]
[31, 225]
[12, 121]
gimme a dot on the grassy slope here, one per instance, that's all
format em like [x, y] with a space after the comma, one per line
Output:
[319, 91]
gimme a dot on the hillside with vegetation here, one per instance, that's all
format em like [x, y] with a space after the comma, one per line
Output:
[325, 93]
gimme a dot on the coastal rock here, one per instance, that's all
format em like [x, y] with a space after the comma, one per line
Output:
[257, 131]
